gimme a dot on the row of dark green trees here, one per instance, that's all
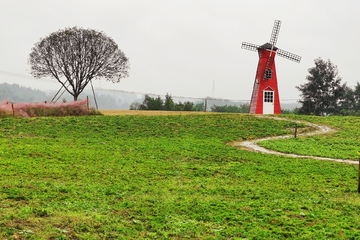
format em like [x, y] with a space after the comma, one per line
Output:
[323, 94]
[168, 104]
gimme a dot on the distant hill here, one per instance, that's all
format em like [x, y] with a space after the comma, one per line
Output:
[17, 93]
[106, 100]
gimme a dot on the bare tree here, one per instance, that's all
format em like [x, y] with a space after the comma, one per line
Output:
[75, 56]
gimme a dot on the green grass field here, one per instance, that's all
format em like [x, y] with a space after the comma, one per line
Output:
[168, 177]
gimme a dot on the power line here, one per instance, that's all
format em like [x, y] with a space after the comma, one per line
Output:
[26, 76]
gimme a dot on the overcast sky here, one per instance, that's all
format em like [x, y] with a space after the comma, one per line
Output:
[184, 47]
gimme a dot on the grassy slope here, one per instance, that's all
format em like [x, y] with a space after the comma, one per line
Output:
[165, 176]
[344, 144]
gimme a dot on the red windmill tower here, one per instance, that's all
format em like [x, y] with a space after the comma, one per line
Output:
[265, 95]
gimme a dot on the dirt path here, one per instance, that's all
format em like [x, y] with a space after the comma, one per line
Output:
[248, 145]
[321, 129]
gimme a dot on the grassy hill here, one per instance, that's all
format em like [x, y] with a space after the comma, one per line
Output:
[167, 177]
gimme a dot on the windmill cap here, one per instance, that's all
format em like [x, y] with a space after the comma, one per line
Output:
[267, 46]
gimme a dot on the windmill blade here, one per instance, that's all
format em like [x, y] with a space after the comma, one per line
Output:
[275, 32]
[250, 46]
[290, 56]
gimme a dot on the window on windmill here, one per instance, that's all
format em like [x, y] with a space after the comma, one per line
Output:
[268, 74]
[269, 96]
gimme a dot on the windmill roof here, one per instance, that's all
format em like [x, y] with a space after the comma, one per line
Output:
[267, 46]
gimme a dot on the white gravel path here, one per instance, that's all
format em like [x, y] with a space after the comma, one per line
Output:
[252, 145]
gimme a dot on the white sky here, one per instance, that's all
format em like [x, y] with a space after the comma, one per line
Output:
[181, 47]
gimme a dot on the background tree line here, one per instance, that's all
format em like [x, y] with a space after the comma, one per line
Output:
[242, 108]
[168, 104]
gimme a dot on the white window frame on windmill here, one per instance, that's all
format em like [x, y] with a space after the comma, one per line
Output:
[268, 100]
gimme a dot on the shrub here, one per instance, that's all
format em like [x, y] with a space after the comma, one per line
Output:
[76, 108]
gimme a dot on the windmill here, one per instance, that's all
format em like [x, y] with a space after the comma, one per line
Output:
[265, 95]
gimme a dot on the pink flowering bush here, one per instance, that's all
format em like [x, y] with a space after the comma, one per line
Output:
[76, 108]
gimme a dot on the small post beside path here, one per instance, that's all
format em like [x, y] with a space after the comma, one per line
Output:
[359, 175]
[13, 110]
[295, 130]
[359, 178]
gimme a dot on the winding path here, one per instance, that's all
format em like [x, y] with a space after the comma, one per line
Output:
[321, 129]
